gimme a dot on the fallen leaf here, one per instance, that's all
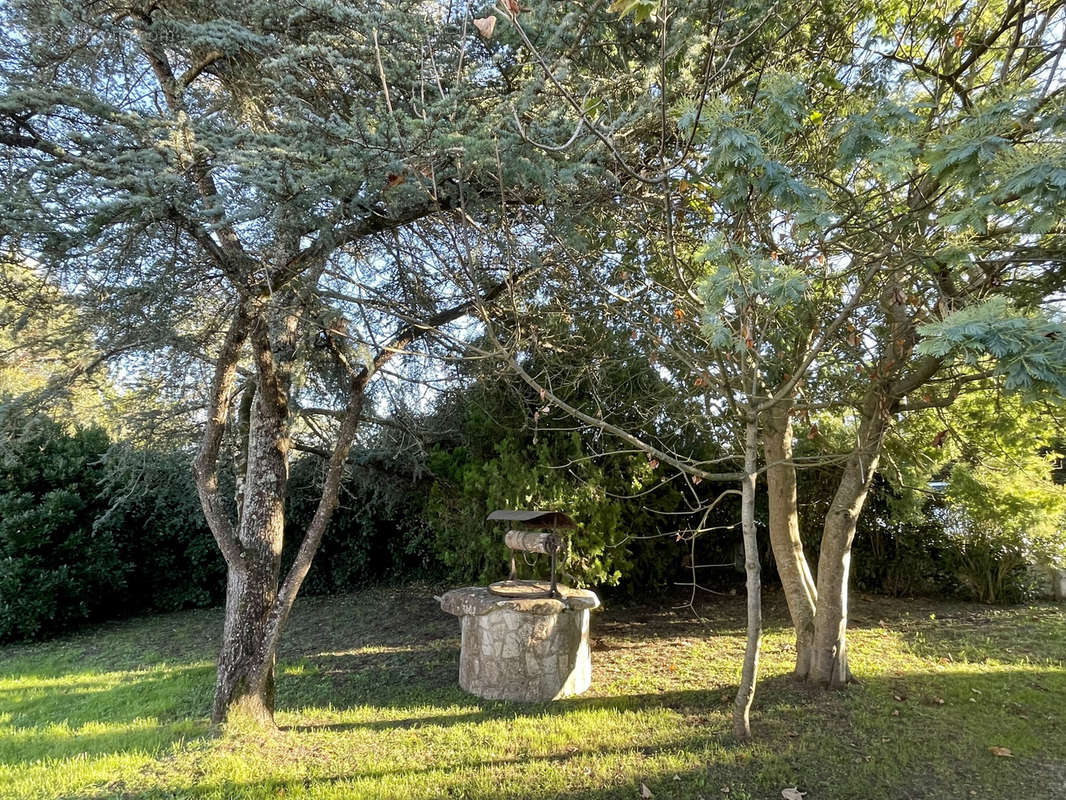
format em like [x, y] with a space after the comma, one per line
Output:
[1001, 752]
[645, 792]
[485, 26]
[792, 793]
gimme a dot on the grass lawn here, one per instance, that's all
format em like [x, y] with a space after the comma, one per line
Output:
[369, 707]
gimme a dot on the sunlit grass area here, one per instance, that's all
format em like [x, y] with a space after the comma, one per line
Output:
[369, 707]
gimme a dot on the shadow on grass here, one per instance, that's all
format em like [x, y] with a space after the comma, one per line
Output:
[39, 744]
[396, 655]
[178, 693]
[909, 736]
[452, 781]
[692, 701]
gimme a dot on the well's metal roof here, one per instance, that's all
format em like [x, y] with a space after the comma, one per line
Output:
[534, 519]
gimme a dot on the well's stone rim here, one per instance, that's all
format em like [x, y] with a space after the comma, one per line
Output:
[478, 600]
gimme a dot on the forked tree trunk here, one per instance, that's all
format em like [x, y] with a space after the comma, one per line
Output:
[829, 666]
[750, 670]
[792, 567]
[245, 680]
[257, 604]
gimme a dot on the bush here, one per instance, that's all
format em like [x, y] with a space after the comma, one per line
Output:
[91, 530]
[378, 531]
[56, 569]
[620, 539]
[154, 516]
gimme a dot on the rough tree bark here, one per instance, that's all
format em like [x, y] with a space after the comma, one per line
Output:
[750, 671]
[258, 601]
[829, 665]
[245, 678]
[797, 581]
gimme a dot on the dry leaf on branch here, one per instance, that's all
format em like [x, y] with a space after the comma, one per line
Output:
[485, 26]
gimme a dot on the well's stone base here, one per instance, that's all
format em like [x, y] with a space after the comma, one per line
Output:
[519, 649]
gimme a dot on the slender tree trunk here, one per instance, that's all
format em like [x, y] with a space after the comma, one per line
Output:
[796, 578]
[244, 429]
[829, 666]
[750, 671]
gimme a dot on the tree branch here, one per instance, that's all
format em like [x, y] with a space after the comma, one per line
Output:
[205, 467]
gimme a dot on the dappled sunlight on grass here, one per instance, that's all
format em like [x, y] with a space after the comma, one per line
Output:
[369, 707]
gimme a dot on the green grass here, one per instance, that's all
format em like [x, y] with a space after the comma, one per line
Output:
[369, 707]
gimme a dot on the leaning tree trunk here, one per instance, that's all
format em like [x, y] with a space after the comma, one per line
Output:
[829, 666]
[750, 670]
[796, 578]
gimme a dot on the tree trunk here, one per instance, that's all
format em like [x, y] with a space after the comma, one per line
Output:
[244, 685]
[258, 604]
[750, 671]
[796, 578]
[829, 666]
[245, 682]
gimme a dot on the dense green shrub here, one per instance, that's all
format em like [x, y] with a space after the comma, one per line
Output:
[510, 455]
[154, 516]
[974, 540]
[902, 556]
[378, 531]
[56, 569]
[998, 520]
[90, 530]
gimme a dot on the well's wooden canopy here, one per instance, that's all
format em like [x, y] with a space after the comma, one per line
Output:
[534, 519]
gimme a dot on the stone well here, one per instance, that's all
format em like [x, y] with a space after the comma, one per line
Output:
[526, 649]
